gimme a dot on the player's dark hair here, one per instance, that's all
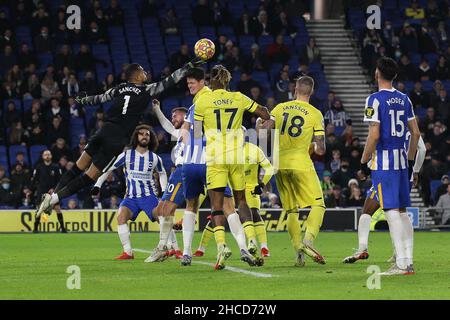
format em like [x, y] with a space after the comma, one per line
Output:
[220, 77]
[153, 143]
[182, 109]
[387, 68]
[130, 70]
[196, 73]
[305, 85]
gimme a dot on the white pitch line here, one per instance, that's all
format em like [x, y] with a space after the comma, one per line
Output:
[232, 269]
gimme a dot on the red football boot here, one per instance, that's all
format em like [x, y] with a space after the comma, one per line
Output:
[178, 254]
[199, 253]
[124, 256]
[265, 252]
[171, 252]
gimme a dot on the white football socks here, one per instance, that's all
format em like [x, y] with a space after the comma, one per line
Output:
[124, 235]
[396, 231]
[173, 240]
[237, 230]
[55, 199]
[188, 232]
[408, 236]
[165, 227]
[363, 231]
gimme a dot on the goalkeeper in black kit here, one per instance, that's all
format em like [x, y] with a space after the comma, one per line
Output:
[129, 101]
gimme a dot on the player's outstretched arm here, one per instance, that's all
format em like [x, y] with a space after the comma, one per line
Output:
[84, 99]
[165, 123]
[158, 87]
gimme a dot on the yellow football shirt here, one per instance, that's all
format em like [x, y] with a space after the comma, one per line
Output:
[203, 90]
[255, 158]
[221, 112]
[296, 122]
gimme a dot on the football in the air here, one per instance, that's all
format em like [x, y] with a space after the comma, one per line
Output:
[204, 49]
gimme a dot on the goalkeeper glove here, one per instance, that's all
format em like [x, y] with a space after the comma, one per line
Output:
[81, 97]
[196, 62]
[259, 189]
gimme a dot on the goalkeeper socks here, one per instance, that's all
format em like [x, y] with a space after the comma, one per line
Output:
[37, 221]
[408, 237]
[237, 230]
[74, 186]
[314, 222]
[124, 235]
[67, 177]
[61, 220]
[188, 232]
[295, 233]
[219, 235]
[166, 224]
[260, 230]
[207, 235]
[396, 231]
[249, 230]
[363, 231]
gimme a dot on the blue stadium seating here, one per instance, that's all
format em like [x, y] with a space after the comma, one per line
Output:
[13, 150]
[4, 159]
[35, 153]
[434, 185]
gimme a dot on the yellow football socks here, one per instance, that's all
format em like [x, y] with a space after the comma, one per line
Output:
[249, 230]
[295, 233]
[219, 235]
[260, 230]
[314, 222]
[207, 235]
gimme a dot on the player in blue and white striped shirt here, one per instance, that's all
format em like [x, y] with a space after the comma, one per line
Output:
[139, 164]
[390, 113]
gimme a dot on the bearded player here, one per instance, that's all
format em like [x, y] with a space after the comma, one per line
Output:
[140, 164]
[129, 101]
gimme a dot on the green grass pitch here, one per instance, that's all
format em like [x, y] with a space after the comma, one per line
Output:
[33, 266]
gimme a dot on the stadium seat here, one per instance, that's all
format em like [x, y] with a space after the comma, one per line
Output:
[4, 159]
[434, 185]
[35, 153]
[13, 150]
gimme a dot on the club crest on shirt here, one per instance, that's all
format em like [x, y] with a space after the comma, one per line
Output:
[369, 112]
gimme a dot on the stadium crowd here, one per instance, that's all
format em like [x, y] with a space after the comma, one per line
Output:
[47, 90]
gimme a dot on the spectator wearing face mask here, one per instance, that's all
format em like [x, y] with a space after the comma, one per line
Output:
[6, 194]
[343, 175]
